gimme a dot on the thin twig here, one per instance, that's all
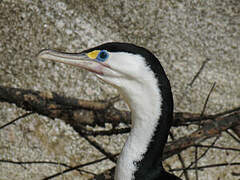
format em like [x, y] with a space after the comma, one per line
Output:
[36, 162]
[206, 101]
[223, 113]
[199, 71]
[202, 113]
[18, 118]
[197, 118]
[181, 159]
[99, 148]
[200, 157]
[196, 162]
[208, 166]
[217, 147]
[73, 168]
[189, 85]
[235, 138]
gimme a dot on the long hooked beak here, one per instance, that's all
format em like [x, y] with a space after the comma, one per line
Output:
[76, 59]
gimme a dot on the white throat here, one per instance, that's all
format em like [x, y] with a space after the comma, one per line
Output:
[144, 99]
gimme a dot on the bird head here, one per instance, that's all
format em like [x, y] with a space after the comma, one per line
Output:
[120, 64]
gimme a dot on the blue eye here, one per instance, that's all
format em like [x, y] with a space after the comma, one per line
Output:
[102, 55]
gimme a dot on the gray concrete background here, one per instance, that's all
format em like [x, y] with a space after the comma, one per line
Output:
[182, 34]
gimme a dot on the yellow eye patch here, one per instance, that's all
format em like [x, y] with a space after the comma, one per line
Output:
[93, 54]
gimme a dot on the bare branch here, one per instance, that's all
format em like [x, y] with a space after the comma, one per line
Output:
[209, 166]
[37, 162]
[200, 157]
[209, 129]
[217, 147]
[196, 162]
[74, 168]
[100, 148]
[199, 71]
[236, 130]
[206, 101]
[73, 111]
[181, 160]
[79, 113]
[18, 118]
[235, 138]
[189, 85]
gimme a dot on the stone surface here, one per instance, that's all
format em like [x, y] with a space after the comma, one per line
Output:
[182, 34]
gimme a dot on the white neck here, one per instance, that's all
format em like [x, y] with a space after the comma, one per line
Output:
[145, 101]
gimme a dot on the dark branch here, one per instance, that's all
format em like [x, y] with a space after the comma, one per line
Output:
[74, 168]
[79, 113]
[37, 162]
[18, 118]
[181, 160]
[217, 147]
[199, 71]
[203, 154]
[206, 101]
[209, 166]
[100, 148]
[209, 129]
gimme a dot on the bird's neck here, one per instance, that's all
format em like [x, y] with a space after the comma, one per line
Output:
[143, 149]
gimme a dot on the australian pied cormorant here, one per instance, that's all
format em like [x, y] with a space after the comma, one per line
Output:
[141, 80]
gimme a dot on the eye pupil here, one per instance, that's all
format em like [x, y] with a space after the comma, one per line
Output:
[102, 56]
